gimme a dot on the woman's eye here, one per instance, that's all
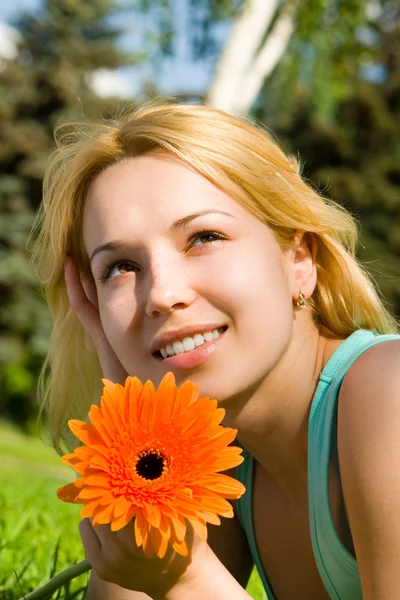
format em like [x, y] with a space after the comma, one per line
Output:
[115, 269]
[205, 237]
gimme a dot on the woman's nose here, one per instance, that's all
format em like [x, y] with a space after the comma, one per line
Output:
[168, 290]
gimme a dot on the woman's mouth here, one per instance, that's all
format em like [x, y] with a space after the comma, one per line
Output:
[191, 350]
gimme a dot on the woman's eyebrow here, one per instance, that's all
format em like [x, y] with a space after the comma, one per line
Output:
[115, 245]
[179, 224]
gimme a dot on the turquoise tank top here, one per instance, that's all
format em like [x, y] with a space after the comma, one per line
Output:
[337, 567]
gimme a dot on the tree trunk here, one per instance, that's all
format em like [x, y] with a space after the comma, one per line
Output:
[249, 56]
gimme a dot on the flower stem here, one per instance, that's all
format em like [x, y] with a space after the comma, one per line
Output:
[58, 581]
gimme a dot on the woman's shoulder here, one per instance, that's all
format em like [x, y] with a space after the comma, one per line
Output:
[375, 370]
[369, 409]
[371, 383]
[369, 456]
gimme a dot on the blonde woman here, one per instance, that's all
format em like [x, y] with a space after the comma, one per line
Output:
[182, 221]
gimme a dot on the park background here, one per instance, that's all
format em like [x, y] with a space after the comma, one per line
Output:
[323, 76]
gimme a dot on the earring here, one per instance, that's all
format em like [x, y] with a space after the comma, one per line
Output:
[301, 301]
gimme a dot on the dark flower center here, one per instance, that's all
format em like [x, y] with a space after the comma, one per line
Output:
[151, 464]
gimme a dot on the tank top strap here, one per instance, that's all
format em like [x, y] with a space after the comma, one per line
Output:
[353, 347]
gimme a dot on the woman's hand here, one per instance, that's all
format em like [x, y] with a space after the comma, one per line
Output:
[116, 558]
[83, 298]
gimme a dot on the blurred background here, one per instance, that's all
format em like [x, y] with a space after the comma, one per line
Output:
[322, 75]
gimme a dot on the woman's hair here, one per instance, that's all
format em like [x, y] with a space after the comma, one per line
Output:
[238, 157]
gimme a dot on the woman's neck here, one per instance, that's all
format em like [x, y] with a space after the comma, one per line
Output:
[272, 421]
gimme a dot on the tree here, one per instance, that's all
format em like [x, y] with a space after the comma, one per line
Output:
[355, 159]
[47, 82]
[247, 41]
[308, 35]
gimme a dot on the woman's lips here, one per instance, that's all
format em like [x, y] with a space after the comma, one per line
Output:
[188, 360]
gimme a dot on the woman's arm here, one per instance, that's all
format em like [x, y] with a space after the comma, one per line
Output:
[369, 455]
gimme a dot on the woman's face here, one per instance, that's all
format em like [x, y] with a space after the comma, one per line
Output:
[174, 258]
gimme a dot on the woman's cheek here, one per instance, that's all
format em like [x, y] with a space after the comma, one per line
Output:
[115, 315]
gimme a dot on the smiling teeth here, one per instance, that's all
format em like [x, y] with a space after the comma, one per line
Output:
[190, 343]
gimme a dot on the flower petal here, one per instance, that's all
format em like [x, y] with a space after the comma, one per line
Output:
[99, 462]
[103, 515]
[108, 384]
[165, 397]
[199, 411]
[108, 498]
[186, 394]
[133, 390]
[221, 484]
[99, 479]
[148, 548]
[89, 509]
[148, 405]
[218, 505]
[179, 525]
[159, 542]
[180, 547]
[153, 514]
[89, 493]
[84, 432]
[99, 423]
[110, 415]
[71, 459]
[212, 518]
[200, 527]
[68, 493]
[218, 416]
[165, 526]
[122, 521]
[122, 506]
[226, 460]
[141, 528]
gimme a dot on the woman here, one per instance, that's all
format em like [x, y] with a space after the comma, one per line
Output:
[181, 221]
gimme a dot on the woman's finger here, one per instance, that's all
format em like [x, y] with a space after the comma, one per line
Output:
[86, 312]
[90, 542]
[89, 287]
[83, 304]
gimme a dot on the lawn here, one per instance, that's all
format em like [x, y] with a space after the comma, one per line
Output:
[38, 533]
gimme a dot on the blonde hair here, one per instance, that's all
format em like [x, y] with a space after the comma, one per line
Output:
[240, 158]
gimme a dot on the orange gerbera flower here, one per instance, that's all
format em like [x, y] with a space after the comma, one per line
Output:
[155, 455]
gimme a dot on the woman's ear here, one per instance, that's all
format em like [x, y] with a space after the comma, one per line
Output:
[303, 255]
[89, 286]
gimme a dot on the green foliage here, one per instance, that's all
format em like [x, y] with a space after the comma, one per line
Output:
[333, 41]
[60, 46]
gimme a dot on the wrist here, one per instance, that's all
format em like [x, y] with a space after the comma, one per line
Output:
[206, 578]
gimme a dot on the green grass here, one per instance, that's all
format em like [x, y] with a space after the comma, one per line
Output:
[38, 533]
[16, 444]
